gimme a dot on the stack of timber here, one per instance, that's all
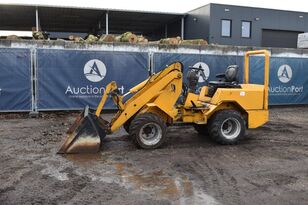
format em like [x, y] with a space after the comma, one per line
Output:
[75, 38]
[171, 41]
[12, 37]
[199, 42]
[107, 38]
[127, 37]
[38, 35]
[91, 38]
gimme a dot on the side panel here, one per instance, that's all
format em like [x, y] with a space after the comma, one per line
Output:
[250, 97]
[257, 118]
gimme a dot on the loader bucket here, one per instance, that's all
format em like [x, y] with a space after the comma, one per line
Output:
[85, 135]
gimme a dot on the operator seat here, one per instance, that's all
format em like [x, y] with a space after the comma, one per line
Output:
[227, 80]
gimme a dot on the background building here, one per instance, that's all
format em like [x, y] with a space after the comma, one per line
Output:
[246, 26]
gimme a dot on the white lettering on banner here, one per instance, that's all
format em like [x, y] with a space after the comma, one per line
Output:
[95, 71]
[285, 75]
[87, 91]
[121, 89]
[283, 90]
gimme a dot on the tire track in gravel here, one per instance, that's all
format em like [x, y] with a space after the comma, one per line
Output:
[212, 179]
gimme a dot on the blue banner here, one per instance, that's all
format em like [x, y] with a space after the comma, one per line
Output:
[15, 80]
[288, 82]
[211, 64]
[72, 79]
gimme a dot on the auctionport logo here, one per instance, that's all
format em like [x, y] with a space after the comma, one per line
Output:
[206, 71]
[285, 75]
[94, 70]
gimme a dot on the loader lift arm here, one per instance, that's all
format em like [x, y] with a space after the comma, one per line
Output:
[149, 91]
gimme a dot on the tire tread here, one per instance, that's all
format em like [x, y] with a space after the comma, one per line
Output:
[137, 123]
[215, 123]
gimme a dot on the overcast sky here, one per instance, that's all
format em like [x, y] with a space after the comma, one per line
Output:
[179, 6]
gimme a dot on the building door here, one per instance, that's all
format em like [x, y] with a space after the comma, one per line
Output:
[278, 38]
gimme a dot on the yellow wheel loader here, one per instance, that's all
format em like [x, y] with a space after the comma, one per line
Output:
[223, 110]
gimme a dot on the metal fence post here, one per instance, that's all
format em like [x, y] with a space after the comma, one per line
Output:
[34, 112]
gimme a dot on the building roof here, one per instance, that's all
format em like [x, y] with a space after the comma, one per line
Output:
[247, 7]
[74, 19]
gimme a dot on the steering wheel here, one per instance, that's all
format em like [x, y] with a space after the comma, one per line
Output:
[199, 71]
[196, 68]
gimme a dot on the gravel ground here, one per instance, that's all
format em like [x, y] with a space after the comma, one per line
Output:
[270, 166]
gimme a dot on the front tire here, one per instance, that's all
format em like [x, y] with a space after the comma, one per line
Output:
[227, 127]
[148, 131]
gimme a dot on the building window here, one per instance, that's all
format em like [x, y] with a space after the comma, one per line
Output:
[226, 26]
[246, 29]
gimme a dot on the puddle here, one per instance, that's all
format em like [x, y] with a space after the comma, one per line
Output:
[156, 182]
[177, 188]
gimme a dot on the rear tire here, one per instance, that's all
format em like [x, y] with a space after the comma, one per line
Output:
[202, 129]
[148, 131]
[227, 127]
